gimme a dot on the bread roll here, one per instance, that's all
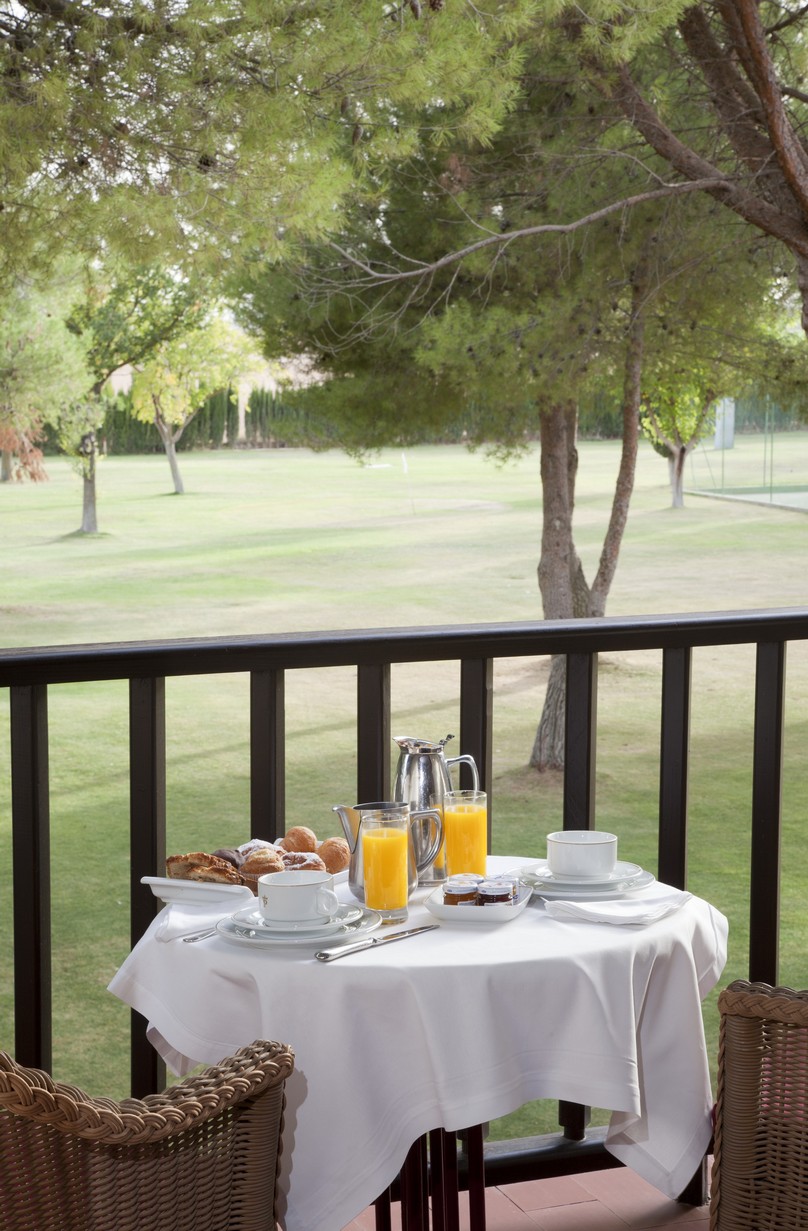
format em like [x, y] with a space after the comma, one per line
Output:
[300, 838]
[335, 854]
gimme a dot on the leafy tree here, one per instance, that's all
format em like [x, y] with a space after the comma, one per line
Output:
[41, 366]
[174, 383]
[191, 133]
[122, 319]
[675, 421]
[508, 348]
[79, 422]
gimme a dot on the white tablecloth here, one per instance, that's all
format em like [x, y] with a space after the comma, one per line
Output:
[450, 1029]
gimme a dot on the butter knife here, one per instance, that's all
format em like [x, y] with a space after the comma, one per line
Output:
[331, 955]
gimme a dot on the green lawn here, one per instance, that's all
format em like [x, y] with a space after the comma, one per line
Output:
[287, 540]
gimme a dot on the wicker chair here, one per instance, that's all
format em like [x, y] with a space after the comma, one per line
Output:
[760, 1169]
[202, 1156]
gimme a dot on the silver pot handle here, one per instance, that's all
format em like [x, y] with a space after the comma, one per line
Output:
[467, 760]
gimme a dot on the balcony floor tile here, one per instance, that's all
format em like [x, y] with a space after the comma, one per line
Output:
[612, 1200]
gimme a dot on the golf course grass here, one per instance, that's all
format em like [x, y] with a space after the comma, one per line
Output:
[288, 541]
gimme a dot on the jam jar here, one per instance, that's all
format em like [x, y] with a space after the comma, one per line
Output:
[495, 893]
[461, 890]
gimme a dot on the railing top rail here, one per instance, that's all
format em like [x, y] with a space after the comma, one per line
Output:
[220, 655]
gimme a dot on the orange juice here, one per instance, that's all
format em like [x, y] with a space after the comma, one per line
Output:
[385, 854]
[465, 837]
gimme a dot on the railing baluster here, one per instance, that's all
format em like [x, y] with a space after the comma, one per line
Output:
[30, 809]
[147, 830]
[580, 739]
[267, 754]
[477, 723]
[673, 768]
[373, 732]
[767, 781]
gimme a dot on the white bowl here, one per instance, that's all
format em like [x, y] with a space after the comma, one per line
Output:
[582, 854]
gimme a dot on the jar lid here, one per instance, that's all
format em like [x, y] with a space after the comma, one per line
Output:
[462, 880]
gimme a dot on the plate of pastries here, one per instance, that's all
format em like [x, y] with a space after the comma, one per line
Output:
[240, 866]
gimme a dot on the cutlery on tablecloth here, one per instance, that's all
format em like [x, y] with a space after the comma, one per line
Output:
[330, 955]
[192, 936]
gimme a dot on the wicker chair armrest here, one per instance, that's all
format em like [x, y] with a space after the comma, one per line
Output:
[782, 1004]
[245, 1074]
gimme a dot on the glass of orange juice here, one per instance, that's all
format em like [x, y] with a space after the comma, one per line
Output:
[385, 860]
[465, 831]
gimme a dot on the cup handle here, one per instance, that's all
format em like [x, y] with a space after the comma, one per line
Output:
[327, 902]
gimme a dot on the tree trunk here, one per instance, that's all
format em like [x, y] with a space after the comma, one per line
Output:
[676, 470]
[89, 519]
[548, 746]
[561, 580]
[171, 454]
[169, 439]
[6, 466]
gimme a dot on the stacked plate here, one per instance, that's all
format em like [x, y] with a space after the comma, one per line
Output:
[626, 878]
[249, 927]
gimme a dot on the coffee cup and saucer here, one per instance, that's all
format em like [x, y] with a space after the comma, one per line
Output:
[297, 902]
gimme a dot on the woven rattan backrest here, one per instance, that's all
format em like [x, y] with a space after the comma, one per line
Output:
[202, 1156]
[760, 1172]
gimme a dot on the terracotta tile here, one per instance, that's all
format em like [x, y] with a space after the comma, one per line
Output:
[540, 1194]
[500, 1213]
[583, 1216]
[638, 1203]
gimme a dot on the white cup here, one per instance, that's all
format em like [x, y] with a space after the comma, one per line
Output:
[581, 854]
[297, 897]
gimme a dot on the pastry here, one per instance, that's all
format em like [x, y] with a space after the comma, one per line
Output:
[299, 839]
[268, 859]
[335, 854]
[302, 861]
[197, 866]
[231, 854]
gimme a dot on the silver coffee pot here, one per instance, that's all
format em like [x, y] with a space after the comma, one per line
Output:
[423, 776]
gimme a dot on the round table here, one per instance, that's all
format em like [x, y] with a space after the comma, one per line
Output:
[450, 1029]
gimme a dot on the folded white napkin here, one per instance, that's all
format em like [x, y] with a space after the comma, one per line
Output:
[182, 918]
[647, 907]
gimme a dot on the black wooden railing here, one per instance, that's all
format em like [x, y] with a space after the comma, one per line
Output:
[29, 673]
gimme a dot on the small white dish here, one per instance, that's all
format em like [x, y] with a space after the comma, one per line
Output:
[252, 918]
[194, 893]
[501, 912]
[264, 938]
[593, 893]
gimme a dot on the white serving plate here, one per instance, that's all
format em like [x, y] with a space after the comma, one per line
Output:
[201, 893]
[501, 912]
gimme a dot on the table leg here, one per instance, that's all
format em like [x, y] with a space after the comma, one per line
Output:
[445, 1213]
[381, 1205]
[414, 1195]
[476, 1164]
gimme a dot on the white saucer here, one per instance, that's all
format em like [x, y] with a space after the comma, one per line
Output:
[265, 938]
[620, 889]
[622, 872]
[253, 919]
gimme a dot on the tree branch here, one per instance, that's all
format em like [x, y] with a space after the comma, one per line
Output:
[790, 228]
[788, 149]
[423, 269]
